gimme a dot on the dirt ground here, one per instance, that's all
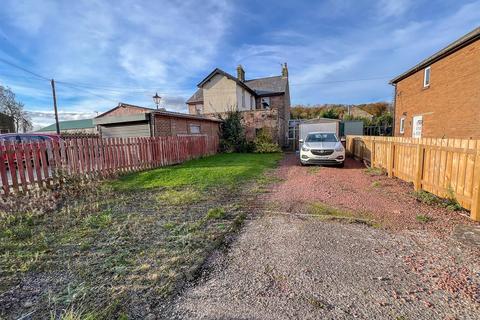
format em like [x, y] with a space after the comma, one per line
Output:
[287, 264]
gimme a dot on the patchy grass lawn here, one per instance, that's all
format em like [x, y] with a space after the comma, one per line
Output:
[224, 170]
[121, 249]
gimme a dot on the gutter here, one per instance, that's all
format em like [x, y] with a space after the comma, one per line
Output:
[436, 57]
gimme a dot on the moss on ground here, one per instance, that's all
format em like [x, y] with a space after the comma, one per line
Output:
[327, 212]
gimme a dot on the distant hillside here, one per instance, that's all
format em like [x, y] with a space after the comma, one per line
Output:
[338, 111]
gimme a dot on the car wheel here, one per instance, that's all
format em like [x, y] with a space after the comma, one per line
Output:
[341, 165]
[302, 164]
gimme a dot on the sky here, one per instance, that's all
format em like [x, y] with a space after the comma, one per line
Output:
[103, 52]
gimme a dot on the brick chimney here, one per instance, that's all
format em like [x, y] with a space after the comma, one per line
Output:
[240, 73]
[284, 70]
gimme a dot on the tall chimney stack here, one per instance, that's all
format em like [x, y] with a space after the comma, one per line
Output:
[284, 70]
[240, 73]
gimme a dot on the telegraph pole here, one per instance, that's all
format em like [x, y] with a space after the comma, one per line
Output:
[57, 125]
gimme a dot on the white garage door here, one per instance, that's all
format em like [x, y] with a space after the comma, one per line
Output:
[126, 130]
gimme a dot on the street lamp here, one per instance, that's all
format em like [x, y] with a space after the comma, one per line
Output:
[156, 99]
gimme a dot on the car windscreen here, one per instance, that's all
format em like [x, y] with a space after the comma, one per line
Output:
[321, 137]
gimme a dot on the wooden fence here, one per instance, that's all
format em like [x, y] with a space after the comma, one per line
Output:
[41, 164]
[444, 167]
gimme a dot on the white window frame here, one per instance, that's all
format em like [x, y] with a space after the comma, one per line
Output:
[267, 101]
[429, 71]
[194, 125]
[243, 99]
[402, 125]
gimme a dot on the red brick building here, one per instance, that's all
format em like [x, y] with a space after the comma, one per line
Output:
[128, 120]
[440, 96]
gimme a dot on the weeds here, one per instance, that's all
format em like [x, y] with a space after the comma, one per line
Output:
[375, 184]
[331, 213]
[423, 218]
[215, 213]
[428, 198]
[314, 169]
[375, 171]
[179, 197]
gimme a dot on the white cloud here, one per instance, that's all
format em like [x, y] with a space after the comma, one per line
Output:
[393, 8]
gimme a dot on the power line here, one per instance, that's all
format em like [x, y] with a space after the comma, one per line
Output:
[24, 69]
[86, 91]
[338, 81]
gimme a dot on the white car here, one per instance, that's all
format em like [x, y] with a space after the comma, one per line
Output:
[322, 148]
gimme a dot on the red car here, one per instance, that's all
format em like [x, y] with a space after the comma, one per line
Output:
[25, 138]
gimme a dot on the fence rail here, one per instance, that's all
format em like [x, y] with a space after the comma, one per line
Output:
[24, 166]
[444, 167]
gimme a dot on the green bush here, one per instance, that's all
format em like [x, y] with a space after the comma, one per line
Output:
[232, 135]
[264, 142]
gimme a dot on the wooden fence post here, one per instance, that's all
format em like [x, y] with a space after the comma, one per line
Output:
[419, 167]
[372, 152]
[390, 158]
[475, 208]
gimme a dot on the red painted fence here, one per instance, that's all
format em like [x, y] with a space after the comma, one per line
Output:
[30, 165]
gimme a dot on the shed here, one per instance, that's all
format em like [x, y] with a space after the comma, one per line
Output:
[128, 120]
[6, 123]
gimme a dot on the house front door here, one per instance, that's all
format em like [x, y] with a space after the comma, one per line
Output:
[417, 124]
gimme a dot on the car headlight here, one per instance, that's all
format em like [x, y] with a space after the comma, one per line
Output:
[339, 148]
[305, 148]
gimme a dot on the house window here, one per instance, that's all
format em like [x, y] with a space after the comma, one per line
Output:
[402, 125]
[199, 108]
[252, 103]
[265, 103]
[426, 77]
[194, 128]
[243, 99]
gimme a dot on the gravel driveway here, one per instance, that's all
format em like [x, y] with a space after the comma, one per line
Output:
[287, 265]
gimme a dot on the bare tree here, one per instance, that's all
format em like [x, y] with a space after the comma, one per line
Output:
[14, 109]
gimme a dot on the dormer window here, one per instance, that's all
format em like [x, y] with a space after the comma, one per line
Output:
[426, 77]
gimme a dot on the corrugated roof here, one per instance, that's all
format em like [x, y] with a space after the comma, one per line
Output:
[69, 125]
[451, 48]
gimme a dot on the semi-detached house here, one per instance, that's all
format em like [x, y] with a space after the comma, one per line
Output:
[440, 96]
[264, 102]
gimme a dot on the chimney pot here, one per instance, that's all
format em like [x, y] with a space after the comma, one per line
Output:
[284, 70]
[240, 73]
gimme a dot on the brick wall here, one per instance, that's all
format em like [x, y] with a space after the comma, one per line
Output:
[258, 119]
[167, 125]
[450, 106]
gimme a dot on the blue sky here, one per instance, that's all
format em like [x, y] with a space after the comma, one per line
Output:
[111, 51]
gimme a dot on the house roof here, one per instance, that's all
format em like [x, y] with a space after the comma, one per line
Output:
[124, 105]
[69, 125]
[451, 48]
[269, 85]
[148, 110]
[258, 87]
[226, 74]
[197, 96]
[186, 115]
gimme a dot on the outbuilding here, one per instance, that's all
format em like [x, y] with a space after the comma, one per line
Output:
[128, 120]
